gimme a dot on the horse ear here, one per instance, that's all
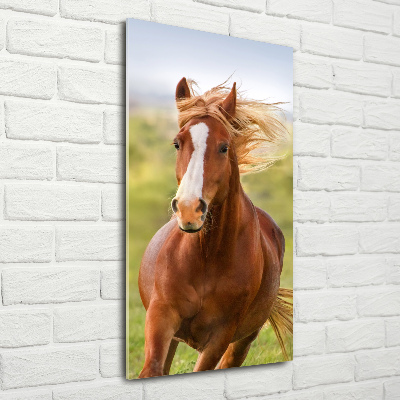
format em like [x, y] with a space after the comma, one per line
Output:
[228, 106]
[182, 90]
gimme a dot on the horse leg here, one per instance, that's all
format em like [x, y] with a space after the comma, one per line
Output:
[237, 352]
[161, 324]
[170, 356]
[212, 353]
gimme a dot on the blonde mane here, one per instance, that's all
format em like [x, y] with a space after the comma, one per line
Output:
[256, 130]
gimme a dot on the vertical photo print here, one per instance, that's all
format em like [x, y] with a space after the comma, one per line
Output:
[209, 201]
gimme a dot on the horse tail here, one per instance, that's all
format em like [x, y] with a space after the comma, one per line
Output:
[281, 317]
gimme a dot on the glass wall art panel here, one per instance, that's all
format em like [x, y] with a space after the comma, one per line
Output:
[209, 201]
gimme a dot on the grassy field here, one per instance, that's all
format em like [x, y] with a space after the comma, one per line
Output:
[151, 187]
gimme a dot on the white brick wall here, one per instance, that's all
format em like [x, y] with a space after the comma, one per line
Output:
[62, 198]
[48, 38]
[53, 122]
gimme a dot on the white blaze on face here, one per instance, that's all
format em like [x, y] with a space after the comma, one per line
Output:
[192, 182]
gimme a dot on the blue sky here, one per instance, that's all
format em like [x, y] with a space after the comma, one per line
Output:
[158, 56]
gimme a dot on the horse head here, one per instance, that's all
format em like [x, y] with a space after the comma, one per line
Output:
[203, 163]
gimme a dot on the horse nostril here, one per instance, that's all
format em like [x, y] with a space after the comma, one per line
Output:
[174, 205]
[203, 206]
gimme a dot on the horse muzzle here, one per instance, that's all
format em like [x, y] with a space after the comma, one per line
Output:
[191, 214]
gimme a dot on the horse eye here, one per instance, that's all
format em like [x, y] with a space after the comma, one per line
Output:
[176, 144]
[223, 149]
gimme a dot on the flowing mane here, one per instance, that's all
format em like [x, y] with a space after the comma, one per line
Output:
[256, 129]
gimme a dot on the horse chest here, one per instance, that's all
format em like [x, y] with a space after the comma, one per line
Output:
[219, 306]
[212, 293]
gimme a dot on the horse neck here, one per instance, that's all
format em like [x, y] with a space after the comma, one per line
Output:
[228, 217]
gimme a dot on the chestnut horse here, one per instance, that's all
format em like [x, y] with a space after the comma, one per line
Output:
[214, 288]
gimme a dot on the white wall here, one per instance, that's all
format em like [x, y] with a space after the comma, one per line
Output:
[62, 191]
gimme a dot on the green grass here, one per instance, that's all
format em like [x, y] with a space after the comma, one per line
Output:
[151, 186]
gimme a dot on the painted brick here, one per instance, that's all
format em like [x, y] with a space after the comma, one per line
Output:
[392, 327]
[81, 324]
[377, 364]
[359, 143]
[1, 202]
[394, 208]
[311, 10]
[54, 39]
[381, 49]
[24, 328]
[91, 85]
[392, 389]
[332, 42]
[89, 164]
[355, 335]
[112, 359]
[396, 23]
[390, 1]
[297, 395]
[43, 121]
[380, 238]
[295, 172]
[27, 78]
[319, 174]
[26, 162]
[104, 11]
[310, 273]
[2, 33]
[49, 285]
[47, 202]
[384, 301]
[311, 140]
[90, 242]
[358, 207]
[48, 366]
[113, 203]
[363, 78]
[394, 146]
[329, 240]
[311, 206]
[374, 17]
[381, 177]
[45, 7]
[258, 381]
[190, 15]
[31, 395]
[112, 285]
[100, 391]
[25, 244]
[368, 391]
[396, 83]
[308, 339]
[296, 102]
[114, 126]
[320, 306]
[323, 370]
[326, 107]
[393, 275]
[254, 5]
[265, 28]
[2, 124]
[382, 114]
[115, 45]
[356, 271]
[312, 72]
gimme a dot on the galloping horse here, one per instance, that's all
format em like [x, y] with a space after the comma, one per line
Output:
[210, 277]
